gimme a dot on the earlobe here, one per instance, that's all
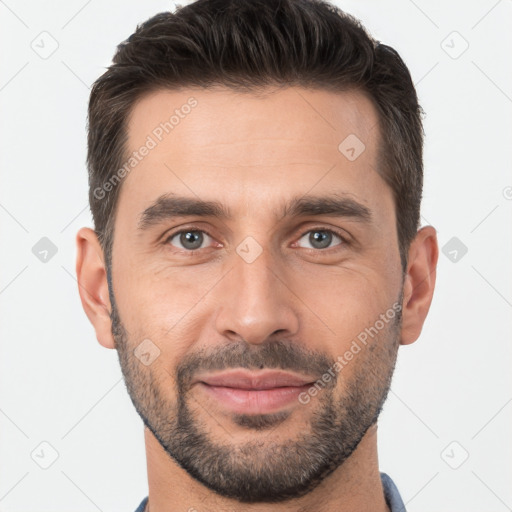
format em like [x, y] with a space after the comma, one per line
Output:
[419, 283]
[93, 286]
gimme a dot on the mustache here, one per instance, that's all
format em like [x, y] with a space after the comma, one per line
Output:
[286, 356]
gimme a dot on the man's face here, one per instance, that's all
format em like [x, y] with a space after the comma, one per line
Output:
[276, 285]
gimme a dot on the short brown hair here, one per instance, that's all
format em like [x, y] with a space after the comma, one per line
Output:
[247, 45]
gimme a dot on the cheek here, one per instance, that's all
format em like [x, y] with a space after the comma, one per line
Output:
[162, 303]
[344, 301]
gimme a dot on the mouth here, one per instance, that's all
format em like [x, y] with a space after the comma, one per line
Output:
[261, 392]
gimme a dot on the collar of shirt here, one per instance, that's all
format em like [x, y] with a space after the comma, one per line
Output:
[391, 494]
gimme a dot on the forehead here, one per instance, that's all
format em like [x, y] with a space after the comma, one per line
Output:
[203, 118]
[237, 146]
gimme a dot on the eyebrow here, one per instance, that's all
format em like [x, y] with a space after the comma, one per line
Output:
[170, 206]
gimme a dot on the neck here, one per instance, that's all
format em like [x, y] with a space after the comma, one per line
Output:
[354, 486]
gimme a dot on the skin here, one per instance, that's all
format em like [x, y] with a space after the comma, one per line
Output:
[253, 154]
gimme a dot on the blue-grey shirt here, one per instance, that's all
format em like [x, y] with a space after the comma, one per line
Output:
[391, 494]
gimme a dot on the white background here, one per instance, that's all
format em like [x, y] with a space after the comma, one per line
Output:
[59, 386]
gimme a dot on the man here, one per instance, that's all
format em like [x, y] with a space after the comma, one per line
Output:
[255, 182]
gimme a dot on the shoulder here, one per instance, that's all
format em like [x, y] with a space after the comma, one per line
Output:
[142, 505]
[391, 493]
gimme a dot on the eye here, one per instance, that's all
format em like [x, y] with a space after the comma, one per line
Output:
[320, 238]
[190, 239]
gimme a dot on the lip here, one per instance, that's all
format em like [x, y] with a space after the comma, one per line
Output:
[259, 380]
[261, 392]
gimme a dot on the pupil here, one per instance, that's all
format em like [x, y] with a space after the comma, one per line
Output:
[189, 236]
[194, 237]
[322, 238]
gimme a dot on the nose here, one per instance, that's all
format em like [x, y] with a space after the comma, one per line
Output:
[256, 301]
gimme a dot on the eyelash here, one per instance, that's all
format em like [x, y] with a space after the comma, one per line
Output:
[344, 240]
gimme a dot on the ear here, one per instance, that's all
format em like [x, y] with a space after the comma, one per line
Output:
[93, 286]
[419, 283]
